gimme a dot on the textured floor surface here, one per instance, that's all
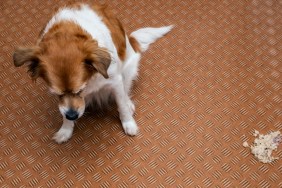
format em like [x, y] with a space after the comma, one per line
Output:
[202, 91]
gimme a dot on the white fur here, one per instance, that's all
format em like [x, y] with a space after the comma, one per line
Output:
[121, 74]
[148, 35]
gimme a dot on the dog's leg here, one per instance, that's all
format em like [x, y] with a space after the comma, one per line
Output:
[130, 71]
[65, 131]
[125, 108]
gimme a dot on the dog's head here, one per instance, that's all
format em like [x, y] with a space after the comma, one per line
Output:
[65, 63]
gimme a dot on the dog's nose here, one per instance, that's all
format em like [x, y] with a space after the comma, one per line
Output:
[71, 115]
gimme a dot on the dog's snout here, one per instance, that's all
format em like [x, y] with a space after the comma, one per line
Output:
[71, 114]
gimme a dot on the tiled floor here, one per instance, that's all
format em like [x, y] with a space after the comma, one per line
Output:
[202, 91]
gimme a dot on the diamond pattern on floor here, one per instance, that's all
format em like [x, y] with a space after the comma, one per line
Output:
[202, 91]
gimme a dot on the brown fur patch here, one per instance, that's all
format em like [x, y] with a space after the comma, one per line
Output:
[74, 5]
[64, 50]
[115, 27]
[29, 56]
[135, 45]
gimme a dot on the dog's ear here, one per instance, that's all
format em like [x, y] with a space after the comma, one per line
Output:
[28, 56]
[100, 59]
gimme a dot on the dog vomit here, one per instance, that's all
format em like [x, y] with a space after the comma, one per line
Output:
[264, 145]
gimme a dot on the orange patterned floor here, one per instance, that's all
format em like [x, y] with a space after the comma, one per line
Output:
[202, 91]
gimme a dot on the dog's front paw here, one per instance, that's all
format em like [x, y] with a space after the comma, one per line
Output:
[130, 128]
[62, 135]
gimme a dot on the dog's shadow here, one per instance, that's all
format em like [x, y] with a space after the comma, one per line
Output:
[97, 121]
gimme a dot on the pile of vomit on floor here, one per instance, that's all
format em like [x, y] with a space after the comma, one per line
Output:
[264, 145]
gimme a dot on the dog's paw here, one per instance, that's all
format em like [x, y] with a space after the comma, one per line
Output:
[62, 135]
[130, 128]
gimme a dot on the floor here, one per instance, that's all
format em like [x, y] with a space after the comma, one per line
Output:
[202, 91]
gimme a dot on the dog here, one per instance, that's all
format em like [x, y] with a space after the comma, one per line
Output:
[84, 55]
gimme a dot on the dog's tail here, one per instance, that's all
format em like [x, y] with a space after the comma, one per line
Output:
[148, 35]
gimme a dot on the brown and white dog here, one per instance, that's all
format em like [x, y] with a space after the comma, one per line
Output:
[84, 54]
